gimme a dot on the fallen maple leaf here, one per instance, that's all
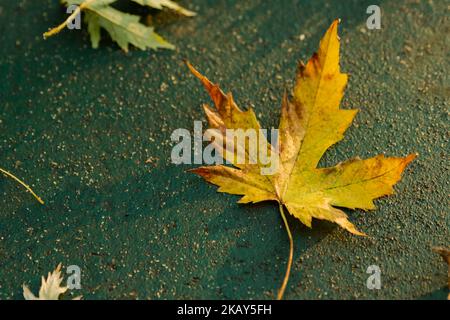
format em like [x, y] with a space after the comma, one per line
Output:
[124, 28]
[310, 124]
[50, 288]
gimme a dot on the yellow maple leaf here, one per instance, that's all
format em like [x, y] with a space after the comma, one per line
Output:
[311, 122]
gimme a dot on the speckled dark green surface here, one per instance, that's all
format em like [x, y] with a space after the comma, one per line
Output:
[79, 124]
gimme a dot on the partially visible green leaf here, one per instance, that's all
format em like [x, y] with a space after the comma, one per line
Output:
[93, 29]
[124, 28]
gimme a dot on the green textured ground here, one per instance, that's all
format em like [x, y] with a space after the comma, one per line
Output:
[78, 124]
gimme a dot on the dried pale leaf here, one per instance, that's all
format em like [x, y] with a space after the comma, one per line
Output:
[51, 288]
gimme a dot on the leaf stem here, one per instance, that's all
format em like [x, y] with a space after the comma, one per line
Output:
[22, 183]
[291, 254]
[77, 11]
